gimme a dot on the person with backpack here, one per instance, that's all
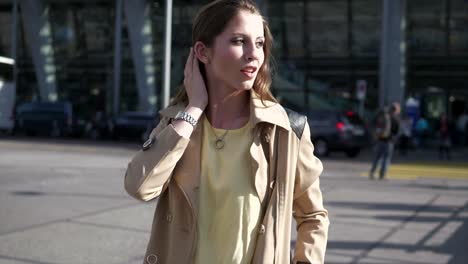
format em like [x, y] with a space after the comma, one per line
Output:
[387, 127]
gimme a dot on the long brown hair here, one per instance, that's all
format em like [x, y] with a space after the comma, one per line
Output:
[211, 20]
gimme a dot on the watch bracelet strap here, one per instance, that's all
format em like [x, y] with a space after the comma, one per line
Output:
[182, 115]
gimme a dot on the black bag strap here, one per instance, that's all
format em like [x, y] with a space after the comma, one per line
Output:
[297, 123]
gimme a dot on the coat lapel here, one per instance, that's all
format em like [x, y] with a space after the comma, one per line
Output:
[272, 114]
[260, 112]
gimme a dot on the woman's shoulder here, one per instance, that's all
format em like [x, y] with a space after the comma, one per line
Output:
[297, 121]
[289, 117]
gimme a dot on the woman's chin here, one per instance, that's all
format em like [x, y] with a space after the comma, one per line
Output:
[246, 86]
[243, 88]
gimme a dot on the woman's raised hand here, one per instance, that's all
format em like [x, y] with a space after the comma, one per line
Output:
[194, 84]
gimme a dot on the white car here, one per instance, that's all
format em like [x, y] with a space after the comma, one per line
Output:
[7, 95]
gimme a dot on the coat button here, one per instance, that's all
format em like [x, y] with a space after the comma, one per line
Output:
[272, 184]
[152, 259]
[261, 229]
[169, 217]
[148, 143]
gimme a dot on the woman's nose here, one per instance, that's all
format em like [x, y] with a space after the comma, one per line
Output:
[252, 52]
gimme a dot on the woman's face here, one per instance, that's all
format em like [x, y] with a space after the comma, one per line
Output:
[237, 53]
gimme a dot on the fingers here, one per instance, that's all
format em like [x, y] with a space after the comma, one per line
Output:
[194, 58]
[196, 65]
[189, 64]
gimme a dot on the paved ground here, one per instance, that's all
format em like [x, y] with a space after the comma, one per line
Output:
[63, 202]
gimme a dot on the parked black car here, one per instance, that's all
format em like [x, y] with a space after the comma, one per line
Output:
[338, 131]
[46, 118]
[134, 125]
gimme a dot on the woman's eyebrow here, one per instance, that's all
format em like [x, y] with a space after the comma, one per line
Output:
[246, 36]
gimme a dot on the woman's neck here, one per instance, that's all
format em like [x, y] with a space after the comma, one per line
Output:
[228, 110]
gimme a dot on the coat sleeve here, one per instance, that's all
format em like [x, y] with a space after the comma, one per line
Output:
[308, 210]
[150, 170]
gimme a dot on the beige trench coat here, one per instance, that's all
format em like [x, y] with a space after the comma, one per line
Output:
[170, 168]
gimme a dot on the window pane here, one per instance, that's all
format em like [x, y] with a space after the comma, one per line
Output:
[426, 27]
[5, 33]
[366, 27]
[458, 27]
[97, 22]
[327, 26]
[64, 35]
[277, 27]
[295, 29]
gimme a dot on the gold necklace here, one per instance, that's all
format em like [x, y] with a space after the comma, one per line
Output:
[219, 142]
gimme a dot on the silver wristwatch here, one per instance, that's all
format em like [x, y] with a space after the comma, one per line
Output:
[182, 115]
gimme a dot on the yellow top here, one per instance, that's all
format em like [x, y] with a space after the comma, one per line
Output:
[229, 207]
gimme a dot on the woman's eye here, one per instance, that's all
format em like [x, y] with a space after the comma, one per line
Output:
[260, 44]
[238, 41]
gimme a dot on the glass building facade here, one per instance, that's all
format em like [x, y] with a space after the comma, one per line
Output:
[323, 48]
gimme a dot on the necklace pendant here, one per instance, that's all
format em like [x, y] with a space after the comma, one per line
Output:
[219, 144]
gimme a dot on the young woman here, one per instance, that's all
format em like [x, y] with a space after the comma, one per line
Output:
[229, 164]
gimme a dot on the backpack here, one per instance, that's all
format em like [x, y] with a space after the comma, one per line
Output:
[383, 125]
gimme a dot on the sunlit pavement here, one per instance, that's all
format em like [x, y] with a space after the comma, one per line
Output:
[63, 202]
[412, 170]
[418, 214]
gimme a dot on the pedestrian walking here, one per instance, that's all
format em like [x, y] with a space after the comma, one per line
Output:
[462, 128]
[422, 131]
[406, 134]
[387, 129]
[444, 133]
[229, 164]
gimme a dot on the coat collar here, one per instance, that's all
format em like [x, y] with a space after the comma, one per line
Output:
[266, 111]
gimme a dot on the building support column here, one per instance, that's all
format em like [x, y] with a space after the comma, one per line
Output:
[117, 58]
[137, 14]
[167, 54]
[392, 79]
[14, 42]
[39, 35]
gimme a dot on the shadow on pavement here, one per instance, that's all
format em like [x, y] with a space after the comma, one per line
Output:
[63, 194]
[391, 206]
[454, 245]
[439, 187]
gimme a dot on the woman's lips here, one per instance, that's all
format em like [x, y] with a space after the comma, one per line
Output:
[249, 72]
[249, 75]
